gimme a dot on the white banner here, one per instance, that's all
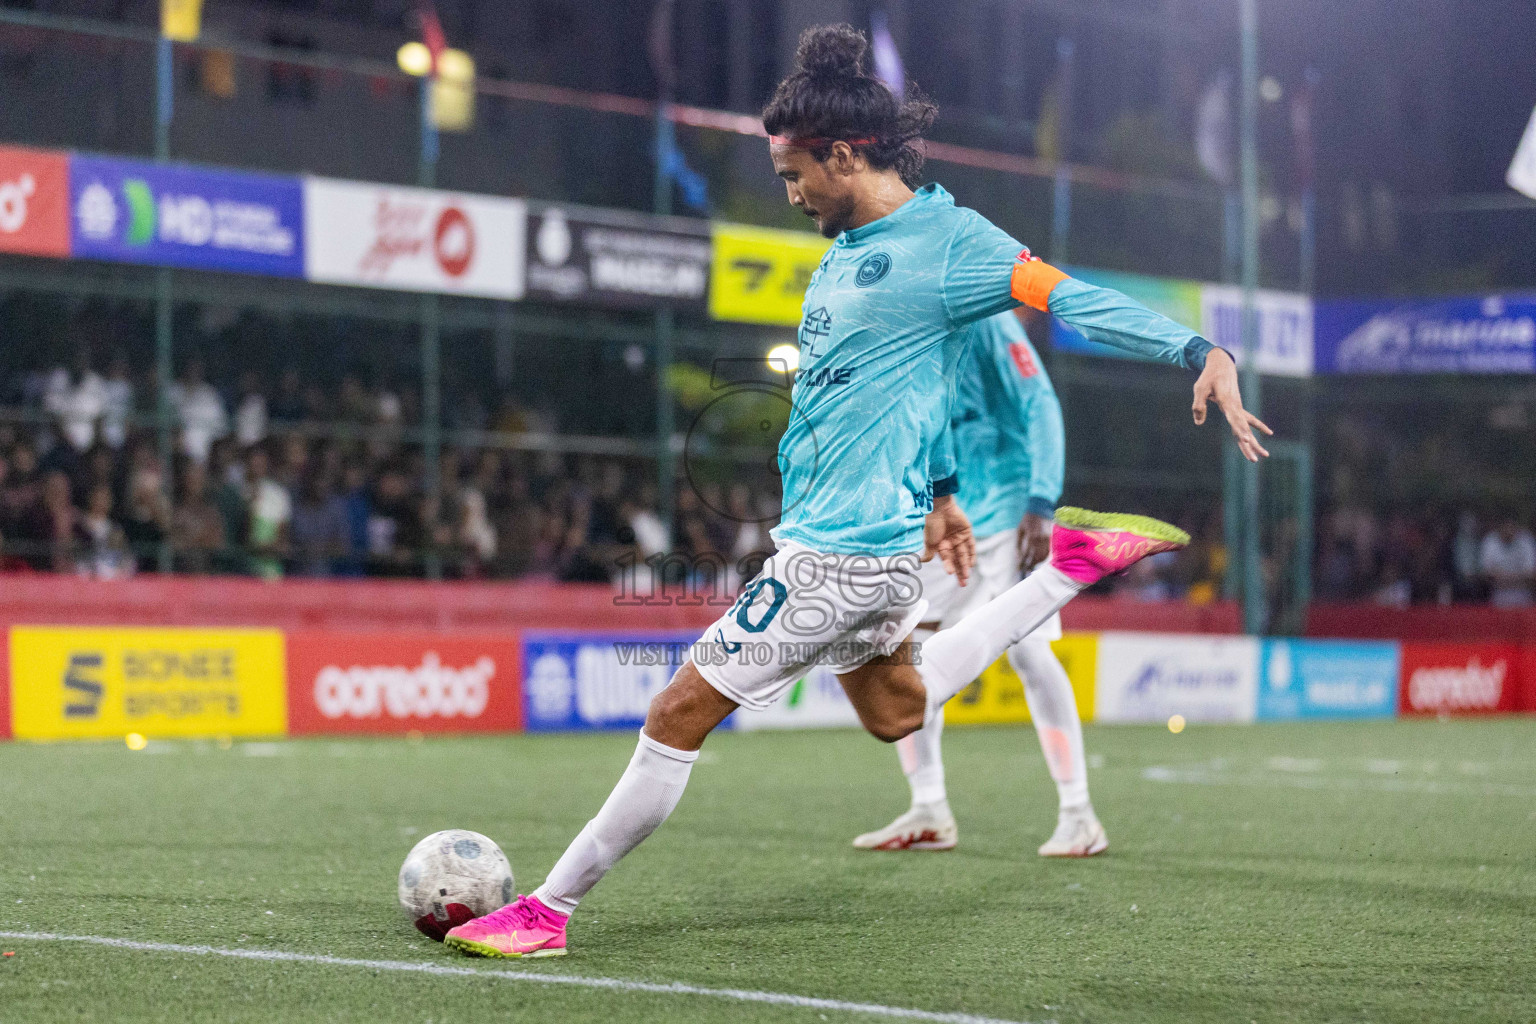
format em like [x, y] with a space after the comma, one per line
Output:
[1522, 169]
[1149, 677]
[413, 239]
[815, 702]
[1285, 327]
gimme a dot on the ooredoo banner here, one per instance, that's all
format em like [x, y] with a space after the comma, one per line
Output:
[395, 683]
[175, 215]
[584, 681]
[84, 683]
[413, 239]
[34, 202]
[1149, 677]
[1459, 679]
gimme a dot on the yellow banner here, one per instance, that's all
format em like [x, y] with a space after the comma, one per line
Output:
[759, 275]
[997, 696]
[181, 20]
[69, 683]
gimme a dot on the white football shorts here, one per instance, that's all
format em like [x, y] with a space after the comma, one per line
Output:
[809, 608]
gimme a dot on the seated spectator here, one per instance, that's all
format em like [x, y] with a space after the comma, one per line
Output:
[199, 410]
[251, 413]
[102, 549]
[320, 533]
[117, 402]
[1508, 560]
[271, 512]
[77, 398]
[197, 526]
[147, 523]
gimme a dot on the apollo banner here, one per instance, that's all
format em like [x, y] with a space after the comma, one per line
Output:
[413, 239]
[34, 202]
[394, 683]
[1468, 334]
[759, 275]
[607, 258]
[1459, 679]
[85, 683]
[1150, 677]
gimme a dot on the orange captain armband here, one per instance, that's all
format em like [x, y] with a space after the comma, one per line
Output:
[1033, 281]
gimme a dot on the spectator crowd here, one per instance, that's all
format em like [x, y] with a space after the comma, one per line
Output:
[301, 481]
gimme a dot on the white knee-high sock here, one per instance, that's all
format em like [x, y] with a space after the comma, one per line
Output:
[1053, 707]
[648, 790]
[919, 751]
[957, 655]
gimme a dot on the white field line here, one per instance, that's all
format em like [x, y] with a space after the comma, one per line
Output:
[1289, 780]
[611, 984]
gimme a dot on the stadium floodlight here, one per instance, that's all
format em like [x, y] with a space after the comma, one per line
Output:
[784, 358]
[415, 59]
[456, 66]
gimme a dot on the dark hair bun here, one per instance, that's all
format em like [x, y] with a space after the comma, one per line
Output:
[832, 51]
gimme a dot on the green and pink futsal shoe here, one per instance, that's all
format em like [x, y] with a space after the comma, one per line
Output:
[523, 928]
[1088, 546]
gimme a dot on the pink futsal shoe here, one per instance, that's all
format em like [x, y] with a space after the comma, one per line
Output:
[524, 928]
[1088, 546]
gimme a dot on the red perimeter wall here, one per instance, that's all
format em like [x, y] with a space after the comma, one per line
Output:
[411, 605]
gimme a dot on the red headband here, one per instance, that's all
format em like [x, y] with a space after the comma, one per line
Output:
[816, 141]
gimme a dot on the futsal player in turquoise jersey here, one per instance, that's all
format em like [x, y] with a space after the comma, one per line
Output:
[882, 336]
[1007, 421]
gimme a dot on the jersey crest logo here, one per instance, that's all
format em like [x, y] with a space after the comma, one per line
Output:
[872, 270]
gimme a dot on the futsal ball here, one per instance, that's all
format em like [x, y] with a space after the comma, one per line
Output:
[451, 877]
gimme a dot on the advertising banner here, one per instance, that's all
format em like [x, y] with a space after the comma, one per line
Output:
[1459, 679]
[395, 683]
[815, 702]
[1149, 677]
[760, 275]
[5, 684]
[175, 215]
[585, 681]
[1215, 311]
[1470, 334]
[413, 239]
[1285, 327]
[83, 683]
[34, 202]
[1327, 679]
[997, 697]
[609, 259]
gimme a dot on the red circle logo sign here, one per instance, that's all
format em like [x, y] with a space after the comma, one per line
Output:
[454, 241]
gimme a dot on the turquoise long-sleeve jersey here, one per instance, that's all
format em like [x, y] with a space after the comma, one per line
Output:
[882, 334]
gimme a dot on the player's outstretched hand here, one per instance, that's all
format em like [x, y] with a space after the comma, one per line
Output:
[947, 533]
[1034, 541]
[1218, 383]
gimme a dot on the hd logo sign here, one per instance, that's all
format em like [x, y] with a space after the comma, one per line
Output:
[91, 683]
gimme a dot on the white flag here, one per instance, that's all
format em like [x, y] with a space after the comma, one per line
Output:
[1522, 170]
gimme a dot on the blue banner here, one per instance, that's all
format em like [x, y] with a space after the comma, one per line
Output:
[174, 215]
[1327, 679]
[1470, 334]
[584, 681]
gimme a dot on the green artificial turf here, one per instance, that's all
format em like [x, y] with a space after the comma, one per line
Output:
[1329, 872]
